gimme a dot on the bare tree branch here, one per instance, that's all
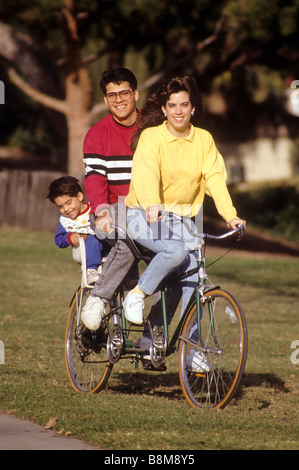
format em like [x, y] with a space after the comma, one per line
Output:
[151, 81]
[98, 109]
[42, 98]
[71, 21]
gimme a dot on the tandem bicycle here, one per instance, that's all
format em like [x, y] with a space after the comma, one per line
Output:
[213, 326]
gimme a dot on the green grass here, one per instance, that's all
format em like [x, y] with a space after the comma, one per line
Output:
[272, 207]
[138, 409]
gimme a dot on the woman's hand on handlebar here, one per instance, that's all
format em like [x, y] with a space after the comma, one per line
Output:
[234, 223]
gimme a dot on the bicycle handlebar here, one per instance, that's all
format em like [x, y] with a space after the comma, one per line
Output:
[240, 230]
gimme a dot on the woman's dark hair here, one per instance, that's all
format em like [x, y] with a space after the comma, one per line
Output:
[152, 114]
[64, 185]
[118, 76]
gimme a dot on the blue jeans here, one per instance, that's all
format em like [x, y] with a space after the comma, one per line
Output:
[171, 242]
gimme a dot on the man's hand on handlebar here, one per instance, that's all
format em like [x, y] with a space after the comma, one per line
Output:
[103, 222]
[152, 213]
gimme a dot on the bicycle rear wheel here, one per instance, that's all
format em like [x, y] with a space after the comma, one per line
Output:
[219, 347]
[85, 351]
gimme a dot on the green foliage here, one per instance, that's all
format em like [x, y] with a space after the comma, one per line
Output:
[274, 209]
[254, 39]
[262, 20]
[37, 14]
[253, 19]
[289, 18]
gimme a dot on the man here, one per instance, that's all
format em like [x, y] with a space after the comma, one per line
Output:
[108, 164]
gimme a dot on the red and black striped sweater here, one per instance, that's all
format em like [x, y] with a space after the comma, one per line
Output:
[108, 162]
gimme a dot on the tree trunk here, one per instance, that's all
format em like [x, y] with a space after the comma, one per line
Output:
[78, 91]
[78, 96]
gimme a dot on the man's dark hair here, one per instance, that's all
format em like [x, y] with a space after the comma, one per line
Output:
[117, 76]
[64, 185]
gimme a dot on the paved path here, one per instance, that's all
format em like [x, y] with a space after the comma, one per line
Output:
[18, 434]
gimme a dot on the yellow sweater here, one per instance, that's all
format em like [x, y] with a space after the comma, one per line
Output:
[177, 172]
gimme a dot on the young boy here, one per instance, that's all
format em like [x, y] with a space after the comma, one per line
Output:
[67, 195]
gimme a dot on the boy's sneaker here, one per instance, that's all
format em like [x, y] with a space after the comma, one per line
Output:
[92, 275]
[196, 362]
[134, 306]
[93, 312]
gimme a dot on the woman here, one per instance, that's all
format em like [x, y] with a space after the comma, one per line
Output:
[174, 164]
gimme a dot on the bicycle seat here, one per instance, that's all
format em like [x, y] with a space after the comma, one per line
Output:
[139, 251]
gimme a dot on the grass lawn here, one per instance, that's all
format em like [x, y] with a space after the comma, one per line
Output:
[146, 410]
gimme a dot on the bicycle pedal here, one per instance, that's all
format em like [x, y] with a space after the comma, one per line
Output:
[149, 366]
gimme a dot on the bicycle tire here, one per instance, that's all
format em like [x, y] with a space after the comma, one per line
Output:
[86, 359]
[223, 346]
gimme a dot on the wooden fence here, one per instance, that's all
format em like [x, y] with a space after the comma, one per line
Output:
[23, 200]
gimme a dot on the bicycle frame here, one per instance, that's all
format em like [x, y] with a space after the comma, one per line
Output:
[211, 361]
[198, 294]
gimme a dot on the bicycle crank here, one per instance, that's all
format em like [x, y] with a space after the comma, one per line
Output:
[158, 346]
[115, 343]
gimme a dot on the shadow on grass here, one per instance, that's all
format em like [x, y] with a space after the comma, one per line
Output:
[251, 380]
[158, 384]
[167, 385]
[264, 380]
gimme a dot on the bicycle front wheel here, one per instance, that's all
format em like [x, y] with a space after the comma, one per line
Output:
[212, 357]
[85, 351]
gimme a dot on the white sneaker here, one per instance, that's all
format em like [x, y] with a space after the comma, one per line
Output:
[134, 306]
[92, 275]
[93, 312]
[196, 362]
